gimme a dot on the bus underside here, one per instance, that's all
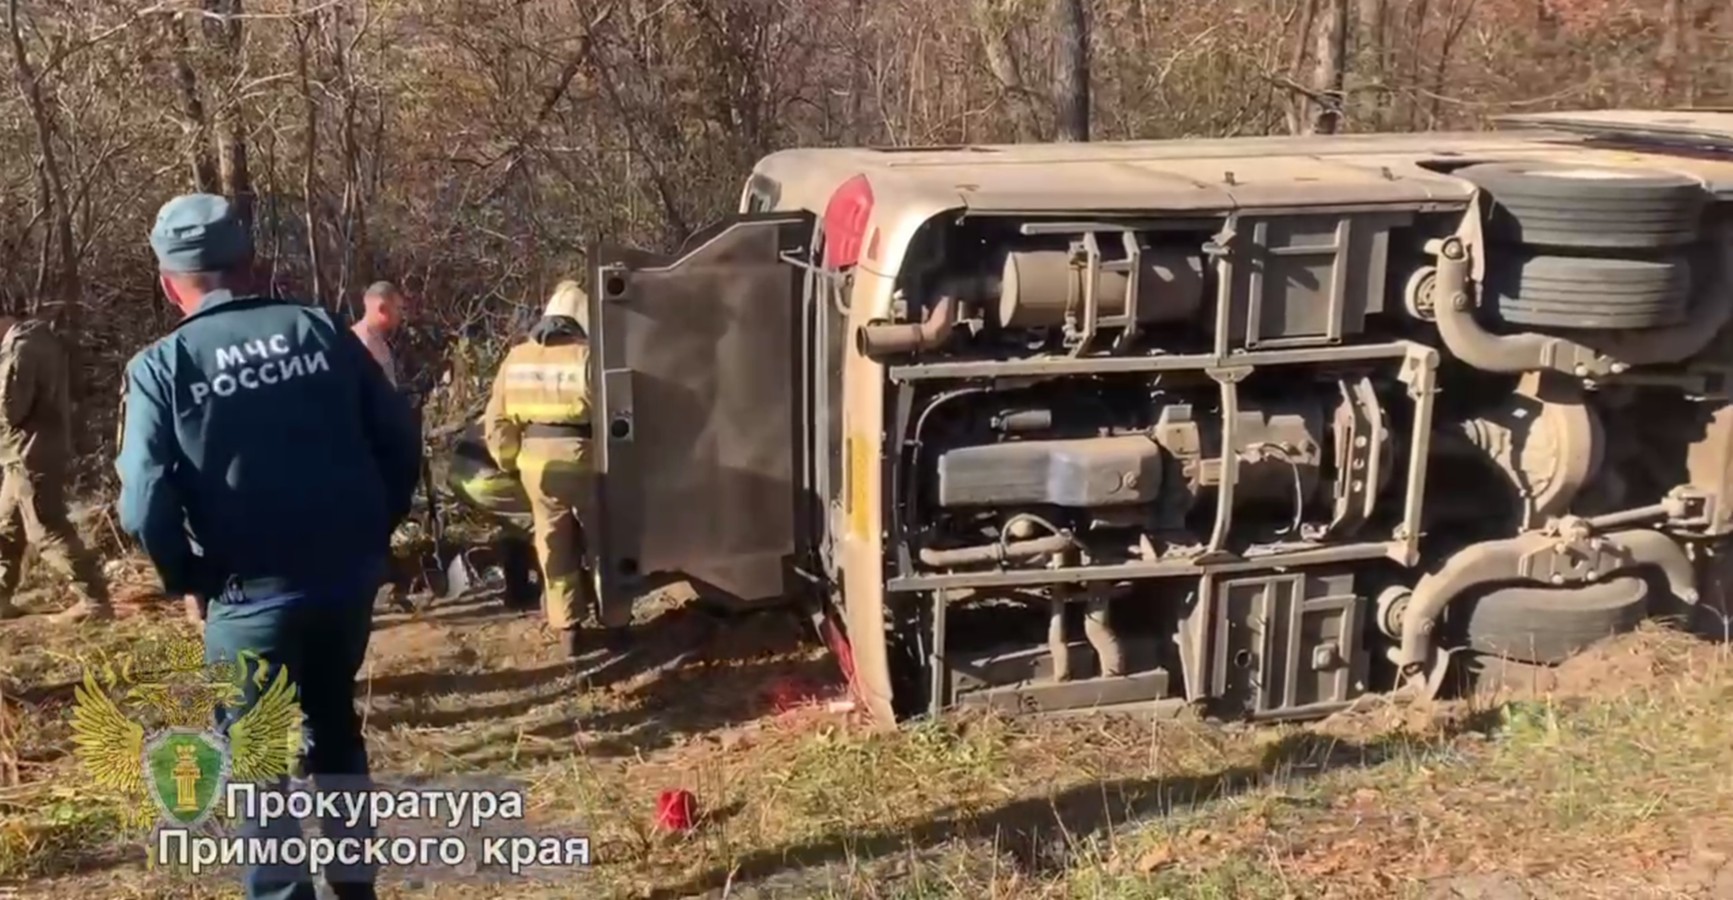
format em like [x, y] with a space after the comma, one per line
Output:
[1262, 462]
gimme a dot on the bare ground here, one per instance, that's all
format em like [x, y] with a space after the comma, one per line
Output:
[1606, 778]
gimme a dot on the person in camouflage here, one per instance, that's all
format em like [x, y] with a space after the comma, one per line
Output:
[35, 458]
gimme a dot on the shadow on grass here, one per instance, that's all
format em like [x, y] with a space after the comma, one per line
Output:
[480, 604]
[691, 703]
[1041, 833]
[495, 610]
[663, 646]
[536, 688]
[437, 683]
[710, 673]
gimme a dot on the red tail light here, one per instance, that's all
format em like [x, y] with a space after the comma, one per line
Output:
[845, 222]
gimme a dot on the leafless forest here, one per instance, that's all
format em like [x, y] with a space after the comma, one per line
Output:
[472, 149]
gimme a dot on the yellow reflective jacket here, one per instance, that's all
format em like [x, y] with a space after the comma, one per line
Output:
[543, 381]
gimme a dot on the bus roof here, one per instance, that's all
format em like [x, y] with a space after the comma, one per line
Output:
[1222, 174]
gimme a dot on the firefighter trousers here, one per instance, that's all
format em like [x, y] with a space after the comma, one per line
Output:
[559, 477]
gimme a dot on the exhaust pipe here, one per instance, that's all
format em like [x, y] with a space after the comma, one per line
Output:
[876, 341]
[997, 553]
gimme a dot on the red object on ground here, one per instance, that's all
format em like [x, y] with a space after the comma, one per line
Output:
[790, 693]
[676, 810]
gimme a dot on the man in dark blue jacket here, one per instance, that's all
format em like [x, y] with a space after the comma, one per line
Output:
[264, 464]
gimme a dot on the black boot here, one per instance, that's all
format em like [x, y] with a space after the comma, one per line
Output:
[517, 559]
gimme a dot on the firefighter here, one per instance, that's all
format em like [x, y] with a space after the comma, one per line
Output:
[35, 447]
[537, 425]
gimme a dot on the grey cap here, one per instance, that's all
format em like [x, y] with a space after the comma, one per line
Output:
[199, 233]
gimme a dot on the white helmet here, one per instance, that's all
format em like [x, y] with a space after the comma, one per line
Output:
[571, 301]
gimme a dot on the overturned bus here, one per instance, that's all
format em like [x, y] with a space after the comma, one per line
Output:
[1258, 425]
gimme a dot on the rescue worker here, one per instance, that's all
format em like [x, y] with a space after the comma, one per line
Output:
[537, 426]
[35, 451]
[264, 462]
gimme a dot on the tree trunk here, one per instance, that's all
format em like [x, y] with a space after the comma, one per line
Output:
[310, 153]
[1300, 106]
[992, 22]
[1327, 72]
[356, 264]
[226, 36]
[1371, 62]
[1701, 30]
[194, 124]
[66, 283]
[1672, 36]
[853, 128]
[1071, 70]
[1455, 22]
[1719, 17]
[1418, 15]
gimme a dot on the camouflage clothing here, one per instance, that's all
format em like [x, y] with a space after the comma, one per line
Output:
[35, 451]
[35, 391]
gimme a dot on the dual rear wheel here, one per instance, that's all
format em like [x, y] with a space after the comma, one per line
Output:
[1588, 248]
[1547, 625]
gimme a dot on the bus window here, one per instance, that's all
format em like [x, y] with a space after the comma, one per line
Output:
[761, 194]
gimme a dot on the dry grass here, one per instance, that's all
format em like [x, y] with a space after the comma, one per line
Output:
[1607, 780]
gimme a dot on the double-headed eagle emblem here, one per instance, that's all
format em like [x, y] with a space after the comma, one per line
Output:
[260, 746]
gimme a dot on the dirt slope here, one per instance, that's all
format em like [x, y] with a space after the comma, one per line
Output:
[1604, 779]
